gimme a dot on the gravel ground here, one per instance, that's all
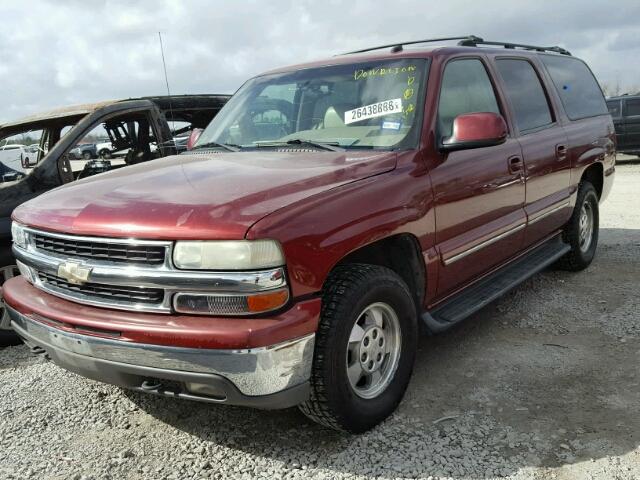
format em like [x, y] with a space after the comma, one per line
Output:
[542, 384]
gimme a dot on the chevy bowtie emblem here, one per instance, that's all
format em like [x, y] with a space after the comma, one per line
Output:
[74, 272]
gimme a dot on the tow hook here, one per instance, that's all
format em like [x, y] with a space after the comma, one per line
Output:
[41, 352]
[150, 385]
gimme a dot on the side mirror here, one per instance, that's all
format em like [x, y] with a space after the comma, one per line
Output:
[193, 138]
[475, 130]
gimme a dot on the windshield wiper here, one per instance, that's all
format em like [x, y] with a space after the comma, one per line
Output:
[330, 146]
[227, 146]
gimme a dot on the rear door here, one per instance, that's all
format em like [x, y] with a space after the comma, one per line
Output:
[544, 144]
[631, 112]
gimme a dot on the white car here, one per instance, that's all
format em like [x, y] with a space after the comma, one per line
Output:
[104, 149]
[15, 156]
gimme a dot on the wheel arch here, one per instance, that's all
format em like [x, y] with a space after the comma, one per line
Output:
[594, 174]
[402, 254]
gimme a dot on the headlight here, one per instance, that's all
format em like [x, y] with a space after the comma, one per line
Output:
[18, 234]
[227, 255]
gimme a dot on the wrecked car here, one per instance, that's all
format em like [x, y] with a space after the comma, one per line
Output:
[39, 152]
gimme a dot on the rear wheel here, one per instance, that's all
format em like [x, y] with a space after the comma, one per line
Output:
[581, 231]
[365, 348]
[86, 155]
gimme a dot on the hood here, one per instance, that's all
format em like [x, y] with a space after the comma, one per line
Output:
[212, 196]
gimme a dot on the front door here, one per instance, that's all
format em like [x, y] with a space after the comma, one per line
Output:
[615, 110]
[479, 193]
[632, 125]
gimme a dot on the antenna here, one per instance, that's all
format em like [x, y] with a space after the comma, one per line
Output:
[166, 79]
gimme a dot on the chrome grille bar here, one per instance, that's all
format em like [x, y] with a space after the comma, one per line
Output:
[127, 285]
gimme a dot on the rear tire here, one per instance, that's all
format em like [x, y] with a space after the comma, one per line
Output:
[365, 348]
[581, 231]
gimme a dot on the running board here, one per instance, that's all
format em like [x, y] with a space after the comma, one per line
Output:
[478, 295]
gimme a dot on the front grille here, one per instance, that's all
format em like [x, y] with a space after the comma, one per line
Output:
[133, 295]
[97, 250]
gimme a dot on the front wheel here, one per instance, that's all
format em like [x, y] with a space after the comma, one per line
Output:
[365, 348]
[7, 270]
[581, 231]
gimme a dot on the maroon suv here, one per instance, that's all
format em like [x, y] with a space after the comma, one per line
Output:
[327, 213]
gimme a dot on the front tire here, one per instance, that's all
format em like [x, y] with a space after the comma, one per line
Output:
[581, 231]
[365, 348]
[8, 270]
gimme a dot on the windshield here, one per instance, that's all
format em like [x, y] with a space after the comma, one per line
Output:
[373, 105]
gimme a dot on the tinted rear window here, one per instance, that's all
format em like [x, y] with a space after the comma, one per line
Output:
[525, 93]
[576, 85]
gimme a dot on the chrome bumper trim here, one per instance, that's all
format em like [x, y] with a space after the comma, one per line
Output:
[254, 372]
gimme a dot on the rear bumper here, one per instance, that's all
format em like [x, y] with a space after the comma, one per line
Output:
[274, 376]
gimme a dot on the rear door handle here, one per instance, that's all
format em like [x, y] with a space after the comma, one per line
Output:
[515, 165]
[561, 152]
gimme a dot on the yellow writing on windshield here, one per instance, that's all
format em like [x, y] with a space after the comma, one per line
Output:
[382, 71]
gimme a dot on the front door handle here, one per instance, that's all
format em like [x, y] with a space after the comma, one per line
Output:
[561, 152]
[515, 165]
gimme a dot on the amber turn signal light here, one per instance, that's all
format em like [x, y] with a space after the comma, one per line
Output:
[265, 302]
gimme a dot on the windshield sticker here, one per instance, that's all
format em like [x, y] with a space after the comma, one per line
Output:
[382, 71]
[391, 125]
[374, 110]
[409, 110]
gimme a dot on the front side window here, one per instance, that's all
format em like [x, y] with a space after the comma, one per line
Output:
[579, 92]
[525, 93]
[373, 105]
[614, 108]
[19, 154]
[466, 88]
[119, 141]
[633, 107]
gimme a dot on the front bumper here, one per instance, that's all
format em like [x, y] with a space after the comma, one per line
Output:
[274, 376]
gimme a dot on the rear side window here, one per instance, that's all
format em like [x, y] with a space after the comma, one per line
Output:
[614, 108]
[466, 88]
[580, 94]
[525, 93]
[633, 107]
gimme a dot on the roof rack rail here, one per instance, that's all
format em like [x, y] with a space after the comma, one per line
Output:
[473, 41]
[467, 41]
[397, 47]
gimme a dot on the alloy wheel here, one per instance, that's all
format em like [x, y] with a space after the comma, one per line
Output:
[373, 350]
[585, 226]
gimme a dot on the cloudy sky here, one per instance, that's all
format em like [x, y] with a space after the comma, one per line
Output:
[60, 52]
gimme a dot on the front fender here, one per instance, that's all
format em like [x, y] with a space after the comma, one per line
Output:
[318, 232]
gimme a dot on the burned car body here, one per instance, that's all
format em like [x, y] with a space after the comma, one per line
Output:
[137, 130]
